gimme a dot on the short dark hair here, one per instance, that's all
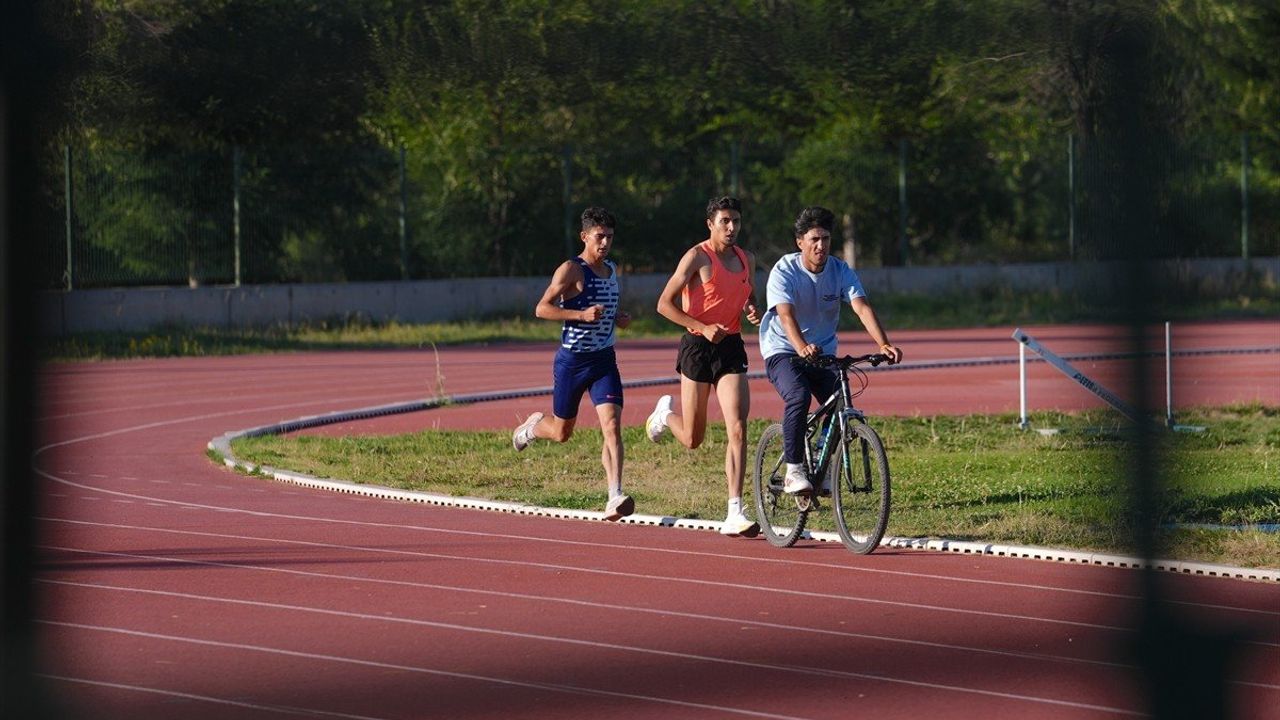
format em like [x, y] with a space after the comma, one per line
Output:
[595, 216]
[715, 205]
[812, 217]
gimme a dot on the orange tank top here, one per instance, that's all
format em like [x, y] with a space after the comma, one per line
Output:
[719, 301]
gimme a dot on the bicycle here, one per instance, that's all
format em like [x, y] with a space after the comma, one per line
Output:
[835, 433]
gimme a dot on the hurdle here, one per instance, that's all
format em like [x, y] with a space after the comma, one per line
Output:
[1169, 422]
[1025, 341]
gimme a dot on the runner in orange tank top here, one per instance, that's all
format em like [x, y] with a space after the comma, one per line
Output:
[719, 298]
[715, 281]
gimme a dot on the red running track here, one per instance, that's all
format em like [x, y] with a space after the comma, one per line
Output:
[170, 586]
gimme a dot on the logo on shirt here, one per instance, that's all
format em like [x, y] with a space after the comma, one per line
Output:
[830, 298]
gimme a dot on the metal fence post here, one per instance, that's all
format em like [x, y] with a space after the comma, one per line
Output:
[734, 185]
[236, 161]
[1071, 196]
[1244, 195]
[566, 173]
[404, 230]
[66, 166]
[902, 203]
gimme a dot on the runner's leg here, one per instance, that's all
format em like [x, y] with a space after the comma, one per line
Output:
[690, 426]
[735, 404]
[611, 452]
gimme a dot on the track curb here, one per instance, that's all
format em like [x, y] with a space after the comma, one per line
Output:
[221, 445]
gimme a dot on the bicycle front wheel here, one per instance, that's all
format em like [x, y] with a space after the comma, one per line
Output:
[778, 513]
[860, 488]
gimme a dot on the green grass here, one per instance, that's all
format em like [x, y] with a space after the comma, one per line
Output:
[986, 307]
[973, 478]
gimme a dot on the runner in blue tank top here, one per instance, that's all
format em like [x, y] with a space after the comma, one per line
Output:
[584, 294]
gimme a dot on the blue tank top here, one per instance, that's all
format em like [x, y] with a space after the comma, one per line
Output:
[578, 336]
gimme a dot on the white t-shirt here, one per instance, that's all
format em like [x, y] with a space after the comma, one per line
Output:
[816, 300]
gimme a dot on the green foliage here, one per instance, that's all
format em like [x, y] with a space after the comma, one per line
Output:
[514, 116]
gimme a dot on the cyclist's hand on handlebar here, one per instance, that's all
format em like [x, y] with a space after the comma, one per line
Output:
[809, 351]
[893, 352]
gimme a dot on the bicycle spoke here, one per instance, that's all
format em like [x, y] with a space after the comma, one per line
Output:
[861, 489]
[780, 517]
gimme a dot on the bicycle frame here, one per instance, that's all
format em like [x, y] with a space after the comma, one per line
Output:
[820, 421]
[834, 431]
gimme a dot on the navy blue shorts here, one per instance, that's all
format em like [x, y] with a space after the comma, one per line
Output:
[575, 373]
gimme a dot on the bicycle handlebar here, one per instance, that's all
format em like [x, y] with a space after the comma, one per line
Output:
[845, 362]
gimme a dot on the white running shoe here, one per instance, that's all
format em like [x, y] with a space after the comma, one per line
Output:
[796, 481]
[825, 488]
[619, 506]
[657, 422]
[736, 524]
[523, 435]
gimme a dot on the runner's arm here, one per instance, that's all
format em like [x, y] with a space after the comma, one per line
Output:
[752, 310]
[669, 309]
[565, 284]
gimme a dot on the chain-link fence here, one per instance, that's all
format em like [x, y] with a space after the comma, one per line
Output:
[163, 216]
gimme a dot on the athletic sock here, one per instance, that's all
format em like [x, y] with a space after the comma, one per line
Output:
[735, 506]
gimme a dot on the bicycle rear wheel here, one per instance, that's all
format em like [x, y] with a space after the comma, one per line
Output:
[777, 512]
[860, 488]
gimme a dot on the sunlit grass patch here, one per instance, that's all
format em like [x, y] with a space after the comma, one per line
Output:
[975, 477]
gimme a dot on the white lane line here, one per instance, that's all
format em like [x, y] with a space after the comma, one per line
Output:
[375, 392]
[182, 421]
[767, 667]
[206, 698]
[553, 687]
[559, 600]
[685, 553]
[807, 594]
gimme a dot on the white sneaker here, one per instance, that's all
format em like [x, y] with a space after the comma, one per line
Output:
[825, 488]
[796, 481]
[523, 435]
[619, 506]
[656, 424]
[737, 524]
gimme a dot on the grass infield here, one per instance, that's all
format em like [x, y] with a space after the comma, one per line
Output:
[974, 478]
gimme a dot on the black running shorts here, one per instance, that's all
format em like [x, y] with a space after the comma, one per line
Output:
[703, 361]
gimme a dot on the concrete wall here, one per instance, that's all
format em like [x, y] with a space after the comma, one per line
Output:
[136, 309]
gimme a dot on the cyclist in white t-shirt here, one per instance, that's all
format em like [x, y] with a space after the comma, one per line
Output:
[804, 294]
